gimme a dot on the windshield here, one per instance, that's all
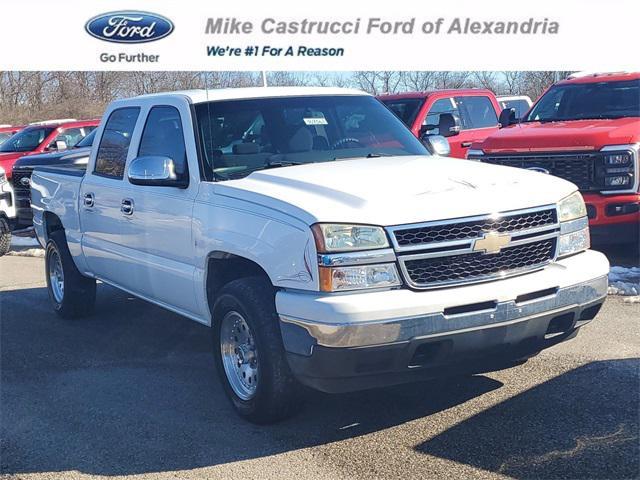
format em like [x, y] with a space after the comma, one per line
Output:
[579, 101]
[4, 136]
[26, 140]
[88, 140]
[242, 136]
[406, 108]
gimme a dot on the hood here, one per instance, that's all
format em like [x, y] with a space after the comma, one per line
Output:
[8, 159]
[66, 157]
[395, 190]
[572, 135]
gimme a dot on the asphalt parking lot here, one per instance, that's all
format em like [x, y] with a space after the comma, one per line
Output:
[132, 391]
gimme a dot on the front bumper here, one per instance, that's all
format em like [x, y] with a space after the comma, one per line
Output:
[613, 219]
[348, 342]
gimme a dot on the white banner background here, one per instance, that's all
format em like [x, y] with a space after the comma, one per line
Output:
[593, 35]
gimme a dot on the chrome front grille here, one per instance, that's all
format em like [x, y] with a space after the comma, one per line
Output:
[453, 252]
[469, 229]
[478, 266]
[19, 187]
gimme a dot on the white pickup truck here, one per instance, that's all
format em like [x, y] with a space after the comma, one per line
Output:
[319, 239]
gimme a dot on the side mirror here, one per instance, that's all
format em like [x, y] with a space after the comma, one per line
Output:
[507, 117]
[448, 125]
[437, 145]
[155, 171]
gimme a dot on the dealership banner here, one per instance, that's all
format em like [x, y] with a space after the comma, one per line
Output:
[328, 35]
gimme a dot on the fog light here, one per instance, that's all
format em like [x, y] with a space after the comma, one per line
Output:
[617, 181]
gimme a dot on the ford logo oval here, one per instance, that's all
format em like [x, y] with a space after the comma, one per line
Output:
[539, 169]
[129, 26]
[25, 181]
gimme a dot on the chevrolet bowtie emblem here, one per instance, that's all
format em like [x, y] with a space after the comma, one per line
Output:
[492, 242]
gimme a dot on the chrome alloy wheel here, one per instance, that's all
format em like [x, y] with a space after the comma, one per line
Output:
[239, 355]
[56, 276]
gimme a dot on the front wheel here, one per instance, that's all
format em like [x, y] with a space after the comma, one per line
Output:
[249, 354]
[72, 294]
[5, 236]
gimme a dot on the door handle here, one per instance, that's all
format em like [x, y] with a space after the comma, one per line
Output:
[127, 206]
[89, 200]
[466, 144]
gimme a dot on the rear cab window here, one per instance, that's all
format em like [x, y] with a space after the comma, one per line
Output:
[114, 144]
[476, 112]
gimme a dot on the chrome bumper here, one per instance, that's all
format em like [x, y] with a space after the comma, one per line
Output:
[300, 336]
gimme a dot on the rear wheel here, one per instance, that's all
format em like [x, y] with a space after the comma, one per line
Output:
[5, 236]
[72, 294]
[249, 354]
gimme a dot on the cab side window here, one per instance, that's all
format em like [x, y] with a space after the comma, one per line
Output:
[476, 112]
[114, 144]
[444, 105]
[163, 136]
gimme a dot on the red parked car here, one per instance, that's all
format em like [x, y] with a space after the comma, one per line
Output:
[41, 138]
[463, 116]
[585, 129]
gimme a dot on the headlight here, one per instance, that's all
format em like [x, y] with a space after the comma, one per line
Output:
[335, 279]
[617, 168]
[571, 207]
[574, 225]
[337, 237]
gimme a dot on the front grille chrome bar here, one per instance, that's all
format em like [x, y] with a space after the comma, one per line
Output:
[540, 234]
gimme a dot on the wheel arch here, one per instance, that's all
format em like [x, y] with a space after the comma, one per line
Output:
[224, 267]
[52, 223]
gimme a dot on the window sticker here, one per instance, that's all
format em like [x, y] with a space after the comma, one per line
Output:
[315, 121]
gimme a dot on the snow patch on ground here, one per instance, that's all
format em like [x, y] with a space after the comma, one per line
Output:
[27, 252]
[625, 281]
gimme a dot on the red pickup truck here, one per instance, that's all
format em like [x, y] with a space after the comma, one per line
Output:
[463, 115]
[585, 129]
[43, 138]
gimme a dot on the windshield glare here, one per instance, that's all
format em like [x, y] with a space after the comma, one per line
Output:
[26, 140]
[579, 101]
[406, 109]
[242, 136]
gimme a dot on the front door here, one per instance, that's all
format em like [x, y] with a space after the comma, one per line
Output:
[159, 217]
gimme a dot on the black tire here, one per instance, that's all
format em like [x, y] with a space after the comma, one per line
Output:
[79, 294]
[5, 236]
[278, 395]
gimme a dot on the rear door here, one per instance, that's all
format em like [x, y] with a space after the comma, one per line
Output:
[158, 229]
[478, 120]
[477, 116]
[101, 194]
